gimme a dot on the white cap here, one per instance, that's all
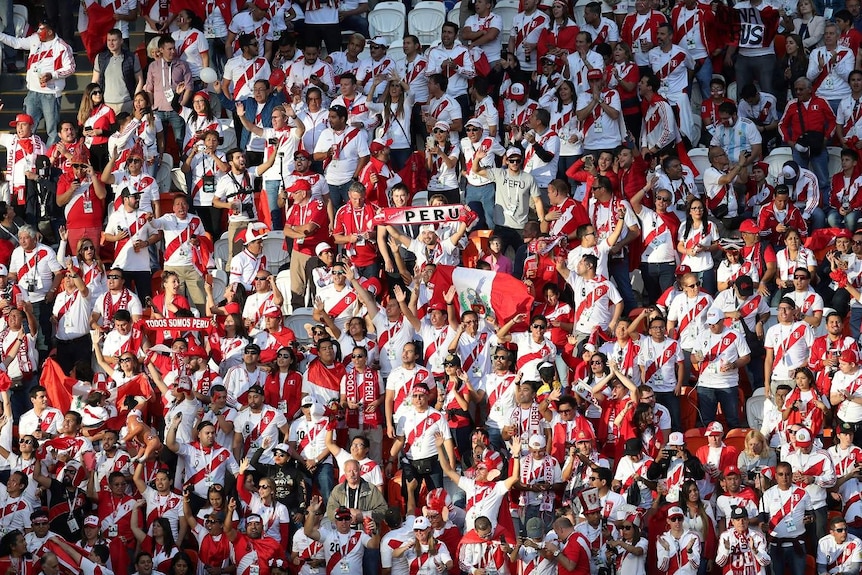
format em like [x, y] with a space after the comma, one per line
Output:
[3, 270]
[714, 316]
[788, 172]
[427, 228]
[676, 438]
[714, 428]
[421, 522]
[536, 441]
[253, 233]
[379, 41]
[322, 247]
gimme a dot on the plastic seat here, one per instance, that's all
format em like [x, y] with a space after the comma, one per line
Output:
[739, 432]
[273, 249]
[454, 15]
[220, 253]
[754, 410]
[21, 20]
[580, 5]
[178, 180]
[297, 323]
[396, 52]
[387, 20]
[834, 164]
[425, 21]
[506, 9]
[731, 91]
[228, 136]
[219, 284]
[420, 199]
[700, 159]
[776, 161]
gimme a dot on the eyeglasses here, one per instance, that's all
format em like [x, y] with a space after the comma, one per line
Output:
[342, 518]
[359, 356]
[115, 277]
[338, 273]
[539, 326]
[474, 129]
[501, 357]
[674, 519]
[134, 161]
[86, 248]
[283, 356]
[25, 442]
[125, 359]
[857, 242]
[251, 352]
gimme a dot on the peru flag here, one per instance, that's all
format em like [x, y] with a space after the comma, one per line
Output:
[494, 296]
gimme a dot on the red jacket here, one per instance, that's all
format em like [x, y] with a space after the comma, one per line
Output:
[817, 115]
[838, 187]
[563, 38]
[767, 221]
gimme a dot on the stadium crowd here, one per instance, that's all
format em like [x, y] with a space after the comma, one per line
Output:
[490, 392]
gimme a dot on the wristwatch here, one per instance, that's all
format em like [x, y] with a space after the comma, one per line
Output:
[557, 552]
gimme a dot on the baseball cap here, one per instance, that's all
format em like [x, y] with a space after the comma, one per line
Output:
[379, 41]
[549, 58]
[26, 118]
[256, 389]
[744, 285]
[421, 523]
[252, 348]
[674, 512]
[748, 227]
[342, 513]
[845, 427]
[676, 439]
[513, 151]
[439, 306]
[738, 513]
[452, 360]
[307, 401]
[254, 233]
[475, 122]
[633, 446]
[379, 144]
[536, 441]
[322, 247]
[441, 125]
[714, 428]
[849, 356]
[803, 438]
[3, 270]
[731, 470]
[681, 270]
[281, 447]
[299, 185]
[517, 90]
[91, 521]
[713, 317]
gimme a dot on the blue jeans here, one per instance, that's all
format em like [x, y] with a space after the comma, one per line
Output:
[484, 195]
[747, 67]
[324, 479]
[786, 560]
[708, 400]
[357, 23]
[277, 214]
[177, 125]
[704, 77]
[671, 402]
[818, 164]
[855, 322]
[44, 106]
[657, 278]
[619, 270]
[217, 55]
[338, 194]
[495, 437]
[836, 220]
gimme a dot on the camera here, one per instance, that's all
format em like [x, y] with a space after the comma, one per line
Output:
[272, 141]
[147, 111]
[31, 286]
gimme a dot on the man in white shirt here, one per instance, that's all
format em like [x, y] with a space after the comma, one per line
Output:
[787, 347]
[838, 551]
[71, 311]
[784, 509]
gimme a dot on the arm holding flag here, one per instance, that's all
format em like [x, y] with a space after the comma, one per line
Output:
[503, 332]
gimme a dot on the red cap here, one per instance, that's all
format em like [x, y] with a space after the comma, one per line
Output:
[27, 118]
[583, 436]
[379, 145]
[843, 233]
[849, 356]
[594, 74]
[303, 153]
[195, 350]
[301, 184]
[440, 306]
[731, 470]
[748, 227]
[682, 269]
[277, 77]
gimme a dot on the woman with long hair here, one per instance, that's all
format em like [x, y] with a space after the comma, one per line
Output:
[96, 120]
[259, 498]
[424, 554]
[596, 369]
[216, 503]
[589, 166]
[226, 345]
[8, 225]
[167, 304]
[793, 257]
[807, 24]
[640, 423]
[160, 544]
[623, 76]
[756, 456]
[14, 557]
[805, 405]
[150, 134]
[559, 37]
[455, 403]
[126, 368]
[441, 157]
[564, 121]
[397, 111]
[699, 518]
[794, 65]
[697, 239]
[629, 552]
[22, 461]
[199, 119]
[214, 550]
[87, 258]
[283, 387]
[181, 564]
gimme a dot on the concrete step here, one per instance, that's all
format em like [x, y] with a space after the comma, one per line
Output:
[18, 82]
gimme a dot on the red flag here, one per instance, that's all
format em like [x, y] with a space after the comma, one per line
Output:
[57, 384]
[138, 385]
[262, 204]
[101, 20]
[821, 238]
[487, 293]
[68, 565]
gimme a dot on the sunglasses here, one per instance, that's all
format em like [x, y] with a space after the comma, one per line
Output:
[263, 487]
[125, 359]
[261, 279]
[85, 248]
[689, 286]
[539, 326]
[474, 129]
[283, 356]
[342, 518]
[251, 352]
[597, 362]
[439, 131]
[501, 357]
[94, 92]
[514, 160]
[839, 530]
[626, 527]
[134, 161]
[25, 442]
[208, 521]
[674, 519]
[338, 273]
[360, 356]
[115, 277]
[800, 277]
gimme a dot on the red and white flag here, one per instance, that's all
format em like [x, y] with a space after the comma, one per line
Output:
[487, 293]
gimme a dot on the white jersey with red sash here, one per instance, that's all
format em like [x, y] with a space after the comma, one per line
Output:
[663, 363]
[309, 437]
[178, 233]
[843, 558]
[782, 345]
[248, 75]
[527, 28]
[343, 551]
[786, 509]
[594, 300]
[402, 381]
[677, 558]
[21, 158]
[671, 68]
[690, 315]
[818, 466]
[205, 466]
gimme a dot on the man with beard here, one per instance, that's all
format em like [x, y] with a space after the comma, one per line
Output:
[252, 550]
[65, 499]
